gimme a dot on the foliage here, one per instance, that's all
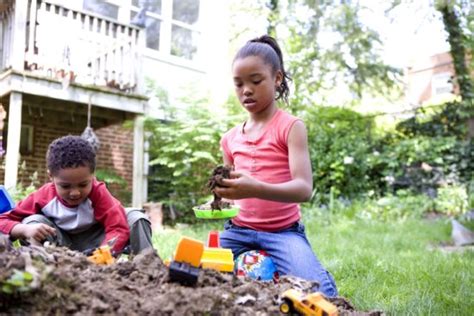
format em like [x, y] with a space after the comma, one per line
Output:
[460, 43]
[452, 199]
[183, 154]
[116, 184]
[21, 189]
[19, 281]
[351, 59]
[427, 151]
[110, 177]
[339, 142]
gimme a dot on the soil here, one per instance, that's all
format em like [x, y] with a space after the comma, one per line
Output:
[219, 173]
[221, 204]
[65, 282]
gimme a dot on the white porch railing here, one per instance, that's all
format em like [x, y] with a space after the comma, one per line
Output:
[76, 46]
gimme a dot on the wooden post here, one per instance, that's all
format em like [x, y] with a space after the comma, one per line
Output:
[138, 193]
[13, 139]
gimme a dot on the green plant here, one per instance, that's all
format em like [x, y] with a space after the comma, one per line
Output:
[115, 183]
[183, 154]
[452, 200]
[339, 143]
[110, 177]
[21, 190]
[19, 281]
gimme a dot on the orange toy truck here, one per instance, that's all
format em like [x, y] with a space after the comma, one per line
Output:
[102, 255]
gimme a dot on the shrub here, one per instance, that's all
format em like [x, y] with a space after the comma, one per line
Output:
[339, 143]
[183, 154]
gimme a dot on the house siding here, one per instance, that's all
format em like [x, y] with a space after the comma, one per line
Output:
[420, 77]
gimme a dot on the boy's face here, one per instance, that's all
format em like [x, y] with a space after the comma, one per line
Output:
[73, 185]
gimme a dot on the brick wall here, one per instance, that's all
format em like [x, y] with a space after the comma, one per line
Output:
[115, 153]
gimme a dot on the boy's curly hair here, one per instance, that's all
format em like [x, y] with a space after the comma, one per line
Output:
[70, 152]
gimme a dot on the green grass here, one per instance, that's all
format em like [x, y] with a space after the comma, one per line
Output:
[391, 266]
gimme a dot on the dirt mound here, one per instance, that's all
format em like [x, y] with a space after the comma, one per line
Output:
[55, 280]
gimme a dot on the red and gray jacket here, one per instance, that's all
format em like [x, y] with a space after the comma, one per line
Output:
[99, 207]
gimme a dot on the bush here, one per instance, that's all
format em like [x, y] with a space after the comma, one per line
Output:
[427, 151]
[183, 154]
[339, 143]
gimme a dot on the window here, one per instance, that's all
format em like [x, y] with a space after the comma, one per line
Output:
[184, 38]
[183, 42]
[26, 139]
[442, 83]
[186, 11]
[171, 26]
[153, 20]
[102, 7]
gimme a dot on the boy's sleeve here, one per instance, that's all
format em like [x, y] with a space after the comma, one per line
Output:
[111, 214]
[29, 206]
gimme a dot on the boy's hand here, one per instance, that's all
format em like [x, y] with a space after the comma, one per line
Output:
[38, 232]
[239, 186]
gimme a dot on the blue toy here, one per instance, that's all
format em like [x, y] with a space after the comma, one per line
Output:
[6, 202]
[257, 265]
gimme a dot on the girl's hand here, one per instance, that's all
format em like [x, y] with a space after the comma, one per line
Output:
[38, 232]
[239, 186]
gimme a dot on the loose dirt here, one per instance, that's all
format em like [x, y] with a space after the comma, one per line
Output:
[65, 282]
[219, 173]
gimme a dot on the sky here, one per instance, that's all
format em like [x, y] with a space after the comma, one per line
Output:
[411, 31]
[414, 32]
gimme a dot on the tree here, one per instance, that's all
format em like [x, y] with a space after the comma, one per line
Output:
[328, 47]
[460, 44]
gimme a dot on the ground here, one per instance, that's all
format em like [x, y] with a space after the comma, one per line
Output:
[64, 281]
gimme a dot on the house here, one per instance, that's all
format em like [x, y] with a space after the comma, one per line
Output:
[70, 64]
[431, 80]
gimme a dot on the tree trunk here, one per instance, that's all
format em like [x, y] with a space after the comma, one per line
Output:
[273, 17]
[457, 41]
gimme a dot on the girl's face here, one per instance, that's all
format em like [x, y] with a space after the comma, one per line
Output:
[73, 185]
[255, 84]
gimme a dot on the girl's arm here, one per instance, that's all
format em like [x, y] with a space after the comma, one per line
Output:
[298, 189]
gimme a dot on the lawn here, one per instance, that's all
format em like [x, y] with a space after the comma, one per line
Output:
[395, 266]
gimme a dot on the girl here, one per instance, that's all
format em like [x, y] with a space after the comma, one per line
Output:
[272, 174]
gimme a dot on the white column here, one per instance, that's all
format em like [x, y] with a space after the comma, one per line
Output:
[138, 159]
[19, 35]
[13, 140]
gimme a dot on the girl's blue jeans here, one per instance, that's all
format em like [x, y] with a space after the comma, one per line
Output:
[289, 249]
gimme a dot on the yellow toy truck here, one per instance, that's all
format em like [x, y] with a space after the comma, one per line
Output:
[191, 255]
[294, 301]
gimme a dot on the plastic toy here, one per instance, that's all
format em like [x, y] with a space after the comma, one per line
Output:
[184, 268]
[191, 255]
[219, 259]
[216, 214]
[257, 265]
[213, 239]
[311, 304]
[102, 255]
[6, 202]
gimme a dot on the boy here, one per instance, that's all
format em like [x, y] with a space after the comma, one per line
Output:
[74, 209]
